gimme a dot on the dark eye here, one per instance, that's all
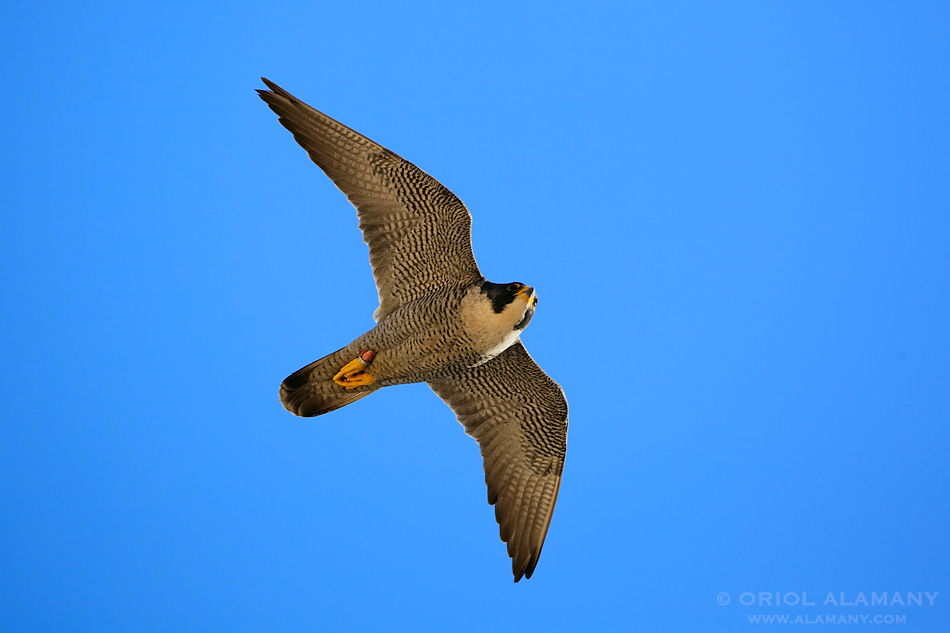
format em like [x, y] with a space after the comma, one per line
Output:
[514, 287]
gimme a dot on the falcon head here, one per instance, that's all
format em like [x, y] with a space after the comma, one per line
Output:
[514, 302]
[494, 315]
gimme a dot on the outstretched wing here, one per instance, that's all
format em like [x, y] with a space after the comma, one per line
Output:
[418, 232]
[518, 415]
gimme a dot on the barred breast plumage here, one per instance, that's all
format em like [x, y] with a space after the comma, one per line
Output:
[438, 321]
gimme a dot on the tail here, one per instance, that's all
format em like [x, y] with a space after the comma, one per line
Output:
[311, 391]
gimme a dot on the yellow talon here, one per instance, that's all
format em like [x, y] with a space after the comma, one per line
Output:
[354, 373]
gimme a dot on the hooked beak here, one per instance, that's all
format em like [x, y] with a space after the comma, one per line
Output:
[529, 295]
[531, 298]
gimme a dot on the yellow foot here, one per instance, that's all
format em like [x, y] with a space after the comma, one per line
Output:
[354, 373]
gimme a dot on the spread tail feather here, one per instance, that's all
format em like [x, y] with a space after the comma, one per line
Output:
[310, 391]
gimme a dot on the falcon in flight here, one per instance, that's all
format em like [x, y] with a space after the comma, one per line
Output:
[438, 321]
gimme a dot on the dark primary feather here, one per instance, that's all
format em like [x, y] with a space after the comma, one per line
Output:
[418, 232]
[518, 415]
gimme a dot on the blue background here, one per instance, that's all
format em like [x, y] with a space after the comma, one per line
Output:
[737, 217]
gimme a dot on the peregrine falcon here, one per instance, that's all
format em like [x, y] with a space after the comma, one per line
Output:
[439, 321]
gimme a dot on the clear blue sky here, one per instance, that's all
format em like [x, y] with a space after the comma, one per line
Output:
[737, 217]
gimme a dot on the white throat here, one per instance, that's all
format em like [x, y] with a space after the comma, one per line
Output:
[505, 343]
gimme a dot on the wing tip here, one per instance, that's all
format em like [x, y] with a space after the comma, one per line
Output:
[526, 570]
[274, 93]
[272, 86]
